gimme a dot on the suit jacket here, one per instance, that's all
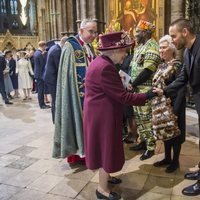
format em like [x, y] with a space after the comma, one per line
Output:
[2, 67]
[12, 65]
[190, 73]
[52, 64]
[39, 62]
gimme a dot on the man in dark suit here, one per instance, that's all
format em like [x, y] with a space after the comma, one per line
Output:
[39, 67]
[2, 86]
[51, 71]
[183, 35]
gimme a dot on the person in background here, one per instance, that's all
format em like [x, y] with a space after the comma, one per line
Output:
[39, 66]
[51, 71]
[129, 118]
[77, 53]
[13, 76]
[31, 57]
[105, 98]
[24, 71]
[168, 72]
[6, 72]
[2, 86]
[47, 98]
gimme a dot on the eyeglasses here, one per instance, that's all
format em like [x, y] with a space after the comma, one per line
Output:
[92, 32]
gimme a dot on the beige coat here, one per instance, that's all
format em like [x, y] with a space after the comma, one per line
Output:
[23, 67]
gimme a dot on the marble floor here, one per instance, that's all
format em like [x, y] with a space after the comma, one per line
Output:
[28, 172]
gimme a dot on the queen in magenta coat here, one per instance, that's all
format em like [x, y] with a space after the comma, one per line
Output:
[105, 97]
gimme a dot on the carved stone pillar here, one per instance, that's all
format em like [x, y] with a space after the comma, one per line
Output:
[100, 15]
[58, 17]
[72, 13]
[177, 9]
[64, 15]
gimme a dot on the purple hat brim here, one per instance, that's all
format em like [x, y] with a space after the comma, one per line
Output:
[114, 47]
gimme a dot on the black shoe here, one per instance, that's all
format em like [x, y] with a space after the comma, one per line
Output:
[114, 180]
[8, 102]
[45, 107]
[9, 96]
[172, 167]
[193, 175]
[147, 154]
[128, 139]
[112, 196]
[161, 163]
[138, 147]
[192, 190]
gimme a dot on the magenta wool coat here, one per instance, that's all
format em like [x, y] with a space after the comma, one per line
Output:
[105, 97]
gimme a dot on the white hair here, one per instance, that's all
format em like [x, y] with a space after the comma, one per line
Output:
[167, 38]
[84, 22]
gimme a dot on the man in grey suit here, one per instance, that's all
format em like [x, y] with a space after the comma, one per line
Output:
[183, 35]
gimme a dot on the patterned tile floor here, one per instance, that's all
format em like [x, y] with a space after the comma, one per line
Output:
[28, 172]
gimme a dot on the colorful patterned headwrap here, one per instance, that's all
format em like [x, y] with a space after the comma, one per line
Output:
[146, 26]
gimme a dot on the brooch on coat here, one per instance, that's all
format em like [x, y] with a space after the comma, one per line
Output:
[141, 59]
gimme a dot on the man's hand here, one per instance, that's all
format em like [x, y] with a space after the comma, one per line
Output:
[158, 91]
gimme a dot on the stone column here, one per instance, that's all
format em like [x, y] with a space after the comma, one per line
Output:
[81, 8]
[92, 9]
[58, 17]
[177, 9]
[100, 15]
[64, 15]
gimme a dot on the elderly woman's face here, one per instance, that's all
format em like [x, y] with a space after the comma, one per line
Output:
[166, 53]
[120, 55]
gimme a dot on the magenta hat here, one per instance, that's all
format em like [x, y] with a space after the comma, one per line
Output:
[114, 40]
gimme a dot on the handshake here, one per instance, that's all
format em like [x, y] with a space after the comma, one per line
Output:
[158, 91]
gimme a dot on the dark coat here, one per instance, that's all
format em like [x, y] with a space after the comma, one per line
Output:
[51, 73]
[2, 67]
[2, 85]
[104, 100]
[13, 75]
[52, 64]
[190, 73]
[39, 64]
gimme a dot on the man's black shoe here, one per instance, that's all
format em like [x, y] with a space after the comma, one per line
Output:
[8, 102]
[112, 196]
[161, 163]
[147, 154]
[48, 106]
[45, 107]
[138, 147]
[193, 175]
[172, 167]
[192, 190]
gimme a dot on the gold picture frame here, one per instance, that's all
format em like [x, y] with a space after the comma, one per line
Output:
[129, 12]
